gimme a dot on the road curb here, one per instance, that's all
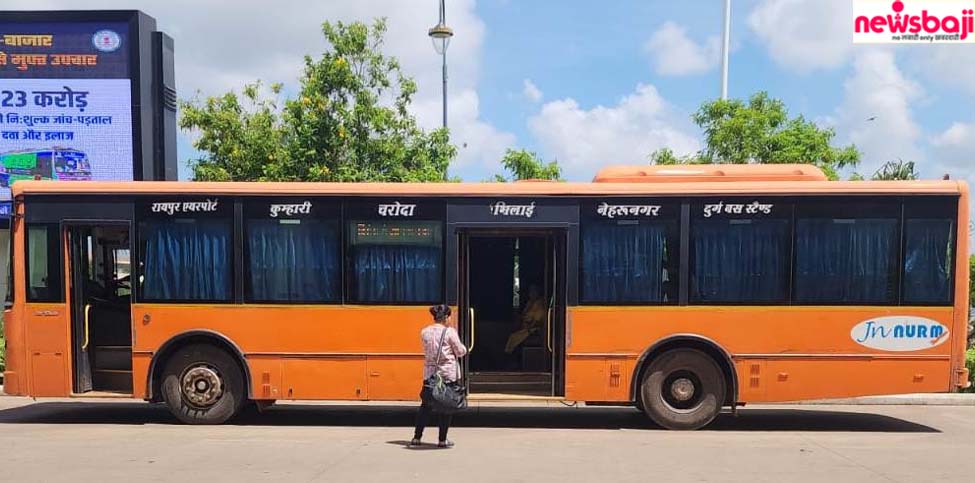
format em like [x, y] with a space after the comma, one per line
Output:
[953, 399]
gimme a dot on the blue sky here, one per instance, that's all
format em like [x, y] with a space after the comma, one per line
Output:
[596, 54]
[609, 81]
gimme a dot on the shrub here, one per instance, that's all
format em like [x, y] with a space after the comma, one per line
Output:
[970, 364]
[3, 350]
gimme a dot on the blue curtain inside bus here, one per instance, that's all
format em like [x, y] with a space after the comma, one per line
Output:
[186, 260]
[927, 261]
[293, 262]
[849, 261]
[397, 273]
[623, 263]
[740, 261]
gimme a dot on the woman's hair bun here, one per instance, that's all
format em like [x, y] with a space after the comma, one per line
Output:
[440, 312]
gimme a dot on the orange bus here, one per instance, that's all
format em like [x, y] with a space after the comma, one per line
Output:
[682, 291]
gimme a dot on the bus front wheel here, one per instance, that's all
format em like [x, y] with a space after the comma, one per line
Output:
[202, 384]
[683, 389]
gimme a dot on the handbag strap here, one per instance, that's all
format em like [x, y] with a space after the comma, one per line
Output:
[443, 335]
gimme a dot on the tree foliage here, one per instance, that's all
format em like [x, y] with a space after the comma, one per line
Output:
[761, 131]
[350, 121]
[896, 170]
[971, 303]
[522, 164]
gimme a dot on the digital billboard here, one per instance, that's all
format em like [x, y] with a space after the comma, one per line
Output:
[65, 102]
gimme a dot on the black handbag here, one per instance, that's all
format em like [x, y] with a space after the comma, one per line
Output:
[444, 397]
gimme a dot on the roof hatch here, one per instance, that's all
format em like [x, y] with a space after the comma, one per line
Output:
[709, 172]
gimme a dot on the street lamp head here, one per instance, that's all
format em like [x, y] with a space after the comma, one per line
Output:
[440, 34]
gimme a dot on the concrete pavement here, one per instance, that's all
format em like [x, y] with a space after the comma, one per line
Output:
[103, 440]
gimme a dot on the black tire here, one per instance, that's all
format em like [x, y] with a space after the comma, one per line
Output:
[683, 389]
[202, 384]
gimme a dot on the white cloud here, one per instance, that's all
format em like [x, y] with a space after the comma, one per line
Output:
[674, 53]
[584, 140]
[223, 44]
[531, 91]
[947, 64]
[878, 89]
[805, 35]
[954, 149]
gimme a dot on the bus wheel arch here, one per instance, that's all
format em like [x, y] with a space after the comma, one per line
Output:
[687, 341]
[178, 342]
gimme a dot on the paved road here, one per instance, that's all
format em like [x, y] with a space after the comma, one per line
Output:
[100, 440]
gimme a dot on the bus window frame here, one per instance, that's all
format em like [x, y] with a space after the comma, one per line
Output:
[54, 255]
[588, 216]
[325, 209]
[143, 214]
[362, 209]
[788, 202]
[923, 206]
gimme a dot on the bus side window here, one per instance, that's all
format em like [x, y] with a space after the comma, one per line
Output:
[740, 251]
[630, 261]
[399, 262]
[186, 259]
[846, 252]
[44, 276]
[929, 236]
[292, 251]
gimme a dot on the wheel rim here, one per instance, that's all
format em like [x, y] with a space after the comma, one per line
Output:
[682, 390]
[201, 386]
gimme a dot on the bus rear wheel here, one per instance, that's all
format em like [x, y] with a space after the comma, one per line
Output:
[683, 389]
[203, 384]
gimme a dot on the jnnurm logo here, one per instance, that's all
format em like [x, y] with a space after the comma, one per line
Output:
[899, 333]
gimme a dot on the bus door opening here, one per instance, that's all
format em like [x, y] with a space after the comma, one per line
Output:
[100, 294]
[512, 311]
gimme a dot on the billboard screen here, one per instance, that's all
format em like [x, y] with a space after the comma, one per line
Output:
[65, 102]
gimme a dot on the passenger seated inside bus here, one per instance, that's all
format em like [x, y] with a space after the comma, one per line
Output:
[531, 320]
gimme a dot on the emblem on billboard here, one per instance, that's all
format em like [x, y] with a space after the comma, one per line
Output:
[899, 333]
[106, 40]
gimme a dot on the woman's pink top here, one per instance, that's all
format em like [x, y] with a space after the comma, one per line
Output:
[452, 350]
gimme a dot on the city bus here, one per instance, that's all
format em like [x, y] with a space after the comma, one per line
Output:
[54, 163]
[681, 291]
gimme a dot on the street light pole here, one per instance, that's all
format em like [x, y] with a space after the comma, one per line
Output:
[724, 52]
[440, 34]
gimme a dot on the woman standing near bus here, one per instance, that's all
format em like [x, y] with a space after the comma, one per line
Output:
[441, 349]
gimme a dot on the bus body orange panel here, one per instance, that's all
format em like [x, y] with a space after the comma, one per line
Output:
[304, 352]
[16, 375]
[962, 274]
[14, 381]
[48, 350]
[800, 350]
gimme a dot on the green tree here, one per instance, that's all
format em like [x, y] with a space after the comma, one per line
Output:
[896, 170]
[666, 156]
[522, 164]
[761, 131]
[242, 137]
[350, 121]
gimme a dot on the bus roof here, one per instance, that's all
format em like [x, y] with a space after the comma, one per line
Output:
[32, 187]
